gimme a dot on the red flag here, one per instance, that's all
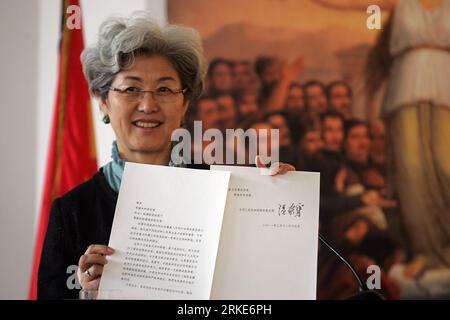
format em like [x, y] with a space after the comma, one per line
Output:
[71, 153]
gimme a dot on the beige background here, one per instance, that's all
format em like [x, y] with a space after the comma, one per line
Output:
[333, 43]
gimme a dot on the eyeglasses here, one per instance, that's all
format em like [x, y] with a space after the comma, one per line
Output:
[161, 94]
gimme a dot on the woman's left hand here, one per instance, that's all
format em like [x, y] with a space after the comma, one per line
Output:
[276, 168]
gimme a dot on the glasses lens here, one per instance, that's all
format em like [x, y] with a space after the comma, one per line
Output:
[164, 96]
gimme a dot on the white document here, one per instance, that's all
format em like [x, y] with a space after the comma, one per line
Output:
[166, 233]
[269, 240]
[168, 222]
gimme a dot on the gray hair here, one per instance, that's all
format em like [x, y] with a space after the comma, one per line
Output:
[121, 39]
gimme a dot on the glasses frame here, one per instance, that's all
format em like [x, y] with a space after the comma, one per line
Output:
[141, 93]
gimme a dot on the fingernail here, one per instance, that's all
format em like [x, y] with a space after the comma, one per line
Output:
[110, 250]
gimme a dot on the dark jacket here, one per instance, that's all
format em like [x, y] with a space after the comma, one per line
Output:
[81, 217]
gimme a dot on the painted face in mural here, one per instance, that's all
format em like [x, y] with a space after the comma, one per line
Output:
[242, 76]
[311, 143]
[341, 100]
[333, 134]
[227, 112]
[208, 113]
[221, 78]
[263, 140]
[248, 104]
[357, 144]
[279, 122]
[316, 99]
[271, 72]
[295, 101]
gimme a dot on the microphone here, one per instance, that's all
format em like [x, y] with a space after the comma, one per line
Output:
[363, 292]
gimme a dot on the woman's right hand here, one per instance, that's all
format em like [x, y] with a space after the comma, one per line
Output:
[90, 265]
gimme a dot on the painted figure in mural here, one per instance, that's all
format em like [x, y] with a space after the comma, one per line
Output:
[412, 59]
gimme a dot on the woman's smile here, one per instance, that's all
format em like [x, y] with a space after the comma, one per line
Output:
[147, 125]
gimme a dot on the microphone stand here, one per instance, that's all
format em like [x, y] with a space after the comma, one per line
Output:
[363, 292]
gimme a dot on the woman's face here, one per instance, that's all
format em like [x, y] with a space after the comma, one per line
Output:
[143, 124]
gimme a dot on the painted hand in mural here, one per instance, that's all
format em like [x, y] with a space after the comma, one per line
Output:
[373, 198]
[339, 180]
[293, 70]
[289, 73]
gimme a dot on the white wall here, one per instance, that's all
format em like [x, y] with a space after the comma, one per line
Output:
[29, 33]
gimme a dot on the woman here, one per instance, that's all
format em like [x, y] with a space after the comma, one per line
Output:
[413, 55]
[144, 77]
